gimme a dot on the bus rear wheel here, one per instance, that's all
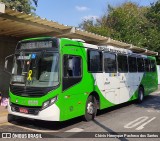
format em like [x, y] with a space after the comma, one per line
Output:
[140, 95]
[91, 108]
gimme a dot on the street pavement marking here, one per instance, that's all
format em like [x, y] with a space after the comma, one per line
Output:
[75, 130]
[138, 121]
[142, 126]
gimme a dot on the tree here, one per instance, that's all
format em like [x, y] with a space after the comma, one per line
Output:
[153, 16]
[125, 23]
[129, 23]
[21, 5]
[35, 2]
[96, 27]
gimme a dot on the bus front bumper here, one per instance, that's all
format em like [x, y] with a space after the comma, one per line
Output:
[52, 113]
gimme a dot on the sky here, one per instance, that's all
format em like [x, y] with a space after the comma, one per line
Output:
[73, 12]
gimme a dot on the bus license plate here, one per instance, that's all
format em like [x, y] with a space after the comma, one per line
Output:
[23, 110]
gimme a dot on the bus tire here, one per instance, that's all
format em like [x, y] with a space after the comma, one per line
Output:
[140, 95]
[91, 108]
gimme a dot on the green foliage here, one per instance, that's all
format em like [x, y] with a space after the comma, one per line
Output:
[153, 15]
[97, 28]
[21, 5]
[129, 23]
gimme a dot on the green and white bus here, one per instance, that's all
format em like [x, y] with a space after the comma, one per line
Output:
[56, 79]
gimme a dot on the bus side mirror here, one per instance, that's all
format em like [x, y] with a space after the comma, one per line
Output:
[9, 64]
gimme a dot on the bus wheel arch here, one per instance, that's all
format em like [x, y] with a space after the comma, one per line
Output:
[91, 106]
[95, 94]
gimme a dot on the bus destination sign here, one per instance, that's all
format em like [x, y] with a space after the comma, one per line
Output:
[36, 45]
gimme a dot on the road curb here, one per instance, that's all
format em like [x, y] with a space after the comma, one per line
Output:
[3, 119]
[3, 115]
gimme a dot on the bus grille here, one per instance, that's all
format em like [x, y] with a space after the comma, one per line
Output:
[29, 91]
[31, 110]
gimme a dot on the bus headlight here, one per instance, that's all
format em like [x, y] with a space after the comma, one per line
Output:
[45, 104]
[49, 102]
[53, 100]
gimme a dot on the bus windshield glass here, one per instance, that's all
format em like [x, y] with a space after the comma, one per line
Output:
[38, 69]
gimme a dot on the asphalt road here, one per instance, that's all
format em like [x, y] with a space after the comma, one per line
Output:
[129, 117]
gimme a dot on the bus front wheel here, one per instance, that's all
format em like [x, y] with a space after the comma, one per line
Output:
[91, 108]
[140, 95]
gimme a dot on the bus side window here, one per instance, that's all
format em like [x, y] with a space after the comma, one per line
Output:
[94, 61]
[140, 63]
[110, 63]
[132, 62]
[72, 66]
[122, 63]
[152, 65]
[147, 65]
[72, 71]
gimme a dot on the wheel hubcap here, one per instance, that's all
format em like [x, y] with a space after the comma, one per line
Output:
[90, 108]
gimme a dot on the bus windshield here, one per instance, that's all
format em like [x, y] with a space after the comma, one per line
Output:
[38, 69]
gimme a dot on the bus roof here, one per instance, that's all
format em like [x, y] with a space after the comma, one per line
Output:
[116, 48]
[108, 43]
